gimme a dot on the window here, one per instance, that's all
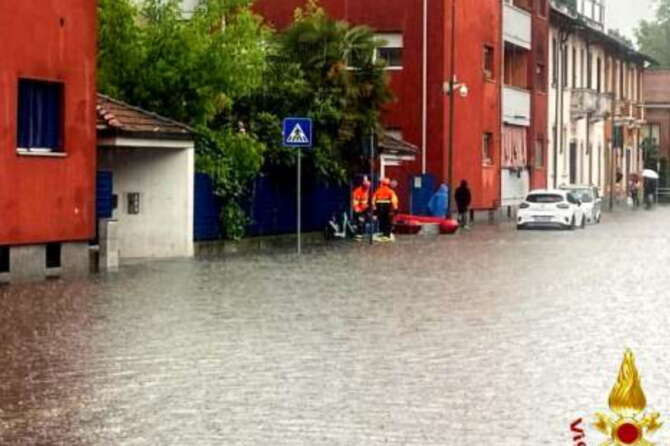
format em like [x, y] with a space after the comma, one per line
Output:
[589, 70]
[53, 255]
[487, 149]
[539, 153]
[564, 65]
[574, 67]
[40, 116]
[133, 203]
[391, 50]
[599, 75]
[582, 68]
[544, 198]
[555, 59]
[540, 77]
[488, 62]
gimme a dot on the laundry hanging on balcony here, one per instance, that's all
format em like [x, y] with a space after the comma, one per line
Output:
[514, 149]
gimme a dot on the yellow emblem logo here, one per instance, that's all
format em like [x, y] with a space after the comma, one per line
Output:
[627, 401]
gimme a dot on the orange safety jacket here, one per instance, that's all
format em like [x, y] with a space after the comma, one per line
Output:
[361, 199]
[385, 195]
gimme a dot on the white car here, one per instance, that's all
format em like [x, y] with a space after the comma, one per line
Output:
[551, 208]
[591, 201]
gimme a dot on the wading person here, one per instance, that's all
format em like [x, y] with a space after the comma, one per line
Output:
[463, 198]
[360, 204]
[385, 204]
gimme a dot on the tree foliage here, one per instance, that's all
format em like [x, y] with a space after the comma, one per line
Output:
[653, 35]
[324, 69]
[233, 79]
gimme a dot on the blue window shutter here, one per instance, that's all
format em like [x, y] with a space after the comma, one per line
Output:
[39, 116]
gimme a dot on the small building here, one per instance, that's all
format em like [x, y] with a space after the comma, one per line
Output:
[145, 180]
[47, 137]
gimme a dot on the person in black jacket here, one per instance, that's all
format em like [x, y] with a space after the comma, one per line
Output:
[463, 198]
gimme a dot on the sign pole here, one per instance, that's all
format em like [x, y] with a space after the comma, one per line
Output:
[299, 202]
[371, 222]
[297, 133]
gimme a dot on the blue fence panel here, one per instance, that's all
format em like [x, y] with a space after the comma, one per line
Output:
[104, 203]
[272, 207]
[207, 208]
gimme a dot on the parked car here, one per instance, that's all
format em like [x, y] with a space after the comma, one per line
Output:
[551, 208]
[592, 202]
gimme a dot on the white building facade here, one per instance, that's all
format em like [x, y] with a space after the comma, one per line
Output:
[595, 102]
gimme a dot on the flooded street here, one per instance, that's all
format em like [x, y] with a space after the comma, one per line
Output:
[491, 337]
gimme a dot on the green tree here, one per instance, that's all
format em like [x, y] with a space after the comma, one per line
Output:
[653, 35]
[192, 71]
[324, 69]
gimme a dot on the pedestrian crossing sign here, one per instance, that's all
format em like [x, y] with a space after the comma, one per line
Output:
[297, 132]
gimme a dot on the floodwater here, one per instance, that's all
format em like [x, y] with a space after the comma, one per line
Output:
[490, 337]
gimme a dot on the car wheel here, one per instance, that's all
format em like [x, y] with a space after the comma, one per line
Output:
[520, 227]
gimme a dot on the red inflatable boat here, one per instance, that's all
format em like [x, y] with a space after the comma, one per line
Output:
[411, 224]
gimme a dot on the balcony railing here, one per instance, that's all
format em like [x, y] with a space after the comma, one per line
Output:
[629, 112]
[586, 101]
[517, 26]
[516, 106]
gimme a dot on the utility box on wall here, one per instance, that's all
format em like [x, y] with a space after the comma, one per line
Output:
[422, 188]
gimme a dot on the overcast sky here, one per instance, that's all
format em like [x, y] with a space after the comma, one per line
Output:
[625, 14]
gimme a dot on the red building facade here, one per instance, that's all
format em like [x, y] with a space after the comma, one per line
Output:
[47, 134]
[421, 82]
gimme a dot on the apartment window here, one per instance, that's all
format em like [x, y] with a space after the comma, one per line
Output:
[589, 70]
[651, 134]
[487, 149]
[555, 59]
[489, 62]
[540, 77]
[391, 50]
[564, 66]
[574, 67]
[40, 116]
[4, 259]
[598, 75]
[622, 81]
[539, 153]
[582, 68]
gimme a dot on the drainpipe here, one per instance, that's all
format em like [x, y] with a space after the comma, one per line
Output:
[589, 78]
[452, 84]
[424, 108]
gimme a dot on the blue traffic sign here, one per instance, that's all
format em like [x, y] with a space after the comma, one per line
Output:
[297, 132]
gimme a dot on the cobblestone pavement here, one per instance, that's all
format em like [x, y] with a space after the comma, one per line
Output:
[491, 337]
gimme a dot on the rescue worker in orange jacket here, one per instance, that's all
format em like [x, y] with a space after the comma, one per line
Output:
[385, 204]
[360, 204]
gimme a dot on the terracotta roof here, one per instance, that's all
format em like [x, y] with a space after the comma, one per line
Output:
[114, 116]
[391, 145]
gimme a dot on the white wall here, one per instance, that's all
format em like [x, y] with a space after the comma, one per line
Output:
[576, 130]
[164, 179]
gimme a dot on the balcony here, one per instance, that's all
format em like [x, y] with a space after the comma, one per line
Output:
[516, 106]
[629, 113]
[517, 27]
[585, 101]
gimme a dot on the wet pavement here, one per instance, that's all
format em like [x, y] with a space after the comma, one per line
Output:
[491, 337]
